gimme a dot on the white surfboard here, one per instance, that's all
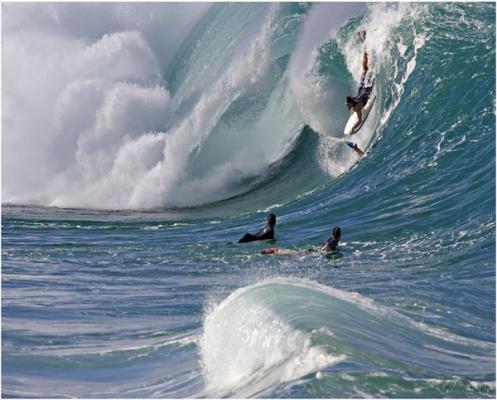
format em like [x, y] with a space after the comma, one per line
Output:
[354, 118]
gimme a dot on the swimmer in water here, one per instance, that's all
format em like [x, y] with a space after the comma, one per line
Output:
[265, 233]
[330, 247]
[332, 243]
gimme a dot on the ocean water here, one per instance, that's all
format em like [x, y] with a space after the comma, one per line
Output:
[141, 141]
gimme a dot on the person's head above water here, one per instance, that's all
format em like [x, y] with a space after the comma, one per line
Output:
[271, 219]
[337, 233]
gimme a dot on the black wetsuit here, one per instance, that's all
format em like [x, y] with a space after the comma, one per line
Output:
[365, 89]
[332, 244]
[265, 233]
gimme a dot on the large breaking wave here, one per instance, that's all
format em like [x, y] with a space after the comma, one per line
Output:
[103, 116]
[156, 106]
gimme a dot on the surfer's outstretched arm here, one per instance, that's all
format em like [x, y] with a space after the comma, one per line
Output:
[365, 61]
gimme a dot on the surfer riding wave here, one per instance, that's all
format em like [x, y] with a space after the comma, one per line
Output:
[357, 103]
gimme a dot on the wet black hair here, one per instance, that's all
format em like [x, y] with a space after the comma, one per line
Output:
[337, 233]
[349, 99]
[271, 219]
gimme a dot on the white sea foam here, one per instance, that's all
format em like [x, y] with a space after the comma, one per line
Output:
[88, 120]
[81, 98]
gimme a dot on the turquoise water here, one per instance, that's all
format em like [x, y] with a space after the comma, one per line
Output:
[121, 276]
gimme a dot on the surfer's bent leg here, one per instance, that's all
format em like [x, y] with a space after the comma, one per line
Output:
[248, 237]
[356, 148]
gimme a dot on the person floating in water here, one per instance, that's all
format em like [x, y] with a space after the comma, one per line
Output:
[265, 233]
[357, 103]
[330, 247]
[332, 243]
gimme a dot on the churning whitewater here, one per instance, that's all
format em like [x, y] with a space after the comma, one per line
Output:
[116, 126]
[141, 141]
